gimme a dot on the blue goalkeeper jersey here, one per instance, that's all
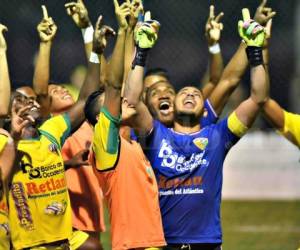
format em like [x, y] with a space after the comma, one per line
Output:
[188, 169]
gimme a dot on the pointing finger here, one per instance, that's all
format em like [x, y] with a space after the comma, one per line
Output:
[45, 12]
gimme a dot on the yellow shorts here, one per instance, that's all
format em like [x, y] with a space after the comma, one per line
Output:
[50, 248]
[77, 239]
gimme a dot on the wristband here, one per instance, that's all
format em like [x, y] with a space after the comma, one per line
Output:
[94, 58]
[87, 34]
[140, 57]
[255, 56]
[214, 49]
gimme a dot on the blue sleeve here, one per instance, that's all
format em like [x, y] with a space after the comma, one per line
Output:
[209, 117]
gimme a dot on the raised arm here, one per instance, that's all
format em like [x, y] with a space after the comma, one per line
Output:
[215, 68]
[115, 68]
[4, 75]
[253, 34]
[145, 38]
[136, 8]
[271, 110]
[46, 30]
[80, 16]
[236, 68]
[91, 82]
[79, 13]
[287, 123]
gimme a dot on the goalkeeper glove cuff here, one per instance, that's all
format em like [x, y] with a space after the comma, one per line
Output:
[140, 57]
[255, 56]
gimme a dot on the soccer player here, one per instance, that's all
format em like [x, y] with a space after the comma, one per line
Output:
[158, 91]
[161, 95]
[87, 214]
[125, 174]
[39, 206]
[188, 159]
[7, 145]
[287, 123]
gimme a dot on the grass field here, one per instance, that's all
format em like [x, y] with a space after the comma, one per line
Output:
[256, 225]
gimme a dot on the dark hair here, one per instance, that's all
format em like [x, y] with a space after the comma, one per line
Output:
[91, 107]
[157, 71]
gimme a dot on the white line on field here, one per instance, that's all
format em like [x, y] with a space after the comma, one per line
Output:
[266, 229]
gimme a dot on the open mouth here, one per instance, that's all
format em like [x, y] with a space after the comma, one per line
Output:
[165, 108]
[188, 103]
[34, 109]
[67, 97]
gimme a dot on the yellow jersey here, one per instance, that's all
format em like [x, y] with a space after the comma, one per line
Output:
[39, 205]
[291, 129]
[4, 228]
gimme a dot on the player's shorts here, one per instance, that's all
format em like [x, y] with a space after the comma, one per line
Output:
[61, 245]
[77, 239]
[74, 242]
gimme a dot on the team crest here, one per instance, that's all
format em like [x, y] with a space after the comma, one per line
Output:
[201, 142]
[53, 148]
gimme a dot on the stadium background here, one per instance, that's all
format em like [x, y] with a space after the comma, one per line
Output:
[252, 218]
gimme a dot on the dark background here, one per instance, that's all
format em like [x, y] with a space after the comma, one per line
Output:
[181, 48]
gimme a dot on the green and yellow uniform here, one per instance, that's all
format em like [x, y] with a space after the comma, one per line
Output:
[39, 205]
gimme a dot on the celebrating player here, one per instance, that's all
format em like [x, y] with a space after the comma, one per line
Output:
[188, 160]
[40, 211]
[126, 176]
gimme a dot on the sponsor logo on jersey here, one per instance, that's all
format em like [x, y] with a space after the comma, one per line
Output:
[41, 171]
[23, 212]
[172, 159]
[45, 187]
[201, 142]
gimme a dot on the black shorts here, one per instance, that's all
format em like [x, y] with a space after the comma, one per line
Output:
[200, 246]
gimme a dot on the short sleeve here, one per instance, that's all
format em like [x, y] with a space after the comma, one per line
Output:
[210, 116]
[3, 141]
[230, 130]
[106, 141]
[291, 128]
[57, 129]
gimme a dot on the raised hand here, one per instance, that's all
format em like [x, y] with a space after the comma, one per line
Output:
[263, 14]
[3, 45]
[46, 28]
[146, 33]
[80, 159]
[136, 7]
[79, 14]
[19, 120]
[101, 34]
[122, 11]
[213, 26]
[250, 31]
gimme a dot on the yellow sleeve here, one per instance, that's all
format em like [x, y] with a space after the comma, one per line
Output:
[106, 141]
[57, 129]
[291, 129]
[3, 141]
[236, 126]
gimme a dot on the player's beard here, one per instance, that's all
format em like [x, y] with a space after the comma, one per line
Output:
[187, 119]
